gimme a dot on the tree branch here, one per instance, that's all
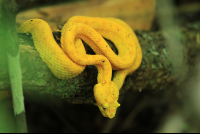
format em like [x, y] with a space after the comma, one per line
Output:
[155, 73]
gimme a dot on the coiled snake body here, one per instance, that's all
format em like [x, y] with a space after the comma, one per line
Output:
[70, 60]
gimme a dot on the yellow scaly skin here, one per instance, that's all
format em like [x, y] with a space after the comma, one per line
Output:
[70, 60]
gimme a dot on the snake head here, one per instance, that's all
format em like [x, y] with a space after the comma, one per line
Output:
[106, 96]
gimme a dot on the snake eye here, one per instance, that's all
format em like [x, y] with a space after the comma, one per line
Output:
[104, 108]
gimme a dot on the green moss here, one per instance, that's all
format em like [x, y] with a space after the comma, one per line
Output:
[39, 75]
[61, 83]
[40, 82]
[66, 89]
[39, 79]
[49, 89]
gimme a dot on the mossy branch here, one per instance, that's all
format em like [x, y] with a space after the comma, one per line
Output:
[155, 73]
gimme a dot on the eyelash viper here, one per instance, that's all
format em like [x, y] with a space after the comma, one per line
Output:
[70, 60]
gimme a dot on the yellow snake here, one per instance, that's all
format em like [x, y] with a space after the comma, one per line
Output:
[70, 60]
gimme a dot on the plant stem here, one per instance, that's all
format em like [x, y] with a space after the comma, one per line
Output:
[17, 92]
[10, 45]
